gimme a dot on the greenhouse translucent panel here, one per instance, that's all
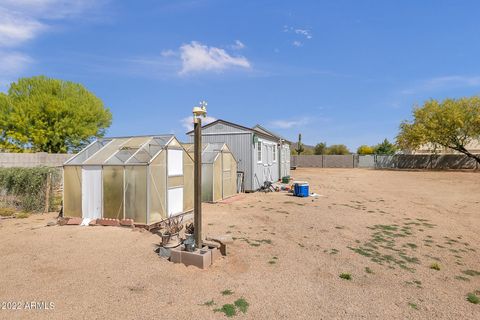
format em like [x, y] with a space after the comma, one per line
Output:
[158, 209]
[106, 152]
[136, 142]
[136, 193]
[229, 175]
[142, 156]
[121, 156]
[72, 191]
[176, 181]
[217, 179]
[113, 192]
[187, 182]
[174, 143]
[207, 182]
[88, 152]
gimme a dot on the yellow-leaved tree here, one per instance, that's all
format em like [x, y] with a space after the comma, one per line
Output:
[451, 123]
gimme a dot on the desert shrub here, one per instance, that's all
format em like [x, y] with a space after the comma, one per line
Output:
[473, 298]
[7, 212]
[346, 276]
[22, 215]
[25, 188]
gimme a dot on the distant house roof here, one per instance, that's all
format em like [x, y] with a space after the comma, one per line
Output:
[257, 129]
[473, 147]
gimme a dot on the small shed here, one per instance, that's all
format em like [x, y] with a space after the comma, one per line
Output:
[219, 171]
[144, 178]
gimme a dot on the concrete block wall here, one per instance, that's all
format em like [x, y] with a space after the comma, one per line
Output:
[9, 160]
[324, 161]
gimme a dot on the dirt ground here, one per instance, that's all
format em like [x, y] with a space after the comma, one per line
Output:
[384, 228]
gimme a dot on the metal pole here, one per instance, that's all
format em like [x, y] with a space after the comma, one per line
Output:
[197, 189]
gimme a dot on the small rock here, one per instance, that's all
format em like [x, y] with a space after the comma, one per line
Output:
[51, 223]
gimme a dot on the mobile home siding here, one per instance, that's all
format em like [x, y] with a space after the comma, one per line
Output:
[239, 142]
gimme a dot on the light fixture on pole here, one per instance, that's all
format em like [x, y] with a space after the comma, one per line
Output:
[198, 111]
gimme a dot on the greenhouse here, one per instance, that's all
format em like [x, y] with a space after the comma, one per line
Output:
[219, 171]
[147, 179]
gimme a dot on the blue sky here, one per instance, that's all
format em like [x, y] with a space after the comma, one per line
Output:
[336, 71]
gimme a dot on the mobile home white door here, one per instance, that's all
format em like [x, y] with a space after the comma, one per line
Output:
[92, 192]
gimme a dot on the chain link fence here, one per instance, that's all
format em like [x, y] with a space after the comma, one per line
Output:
[401, 161]
[31, 189]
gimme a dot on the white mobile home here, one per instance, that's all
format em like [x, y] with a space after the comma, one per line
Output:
[261, 155]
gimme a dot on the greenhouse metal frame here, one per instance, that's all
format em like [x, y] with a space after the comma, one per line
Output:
[144, 178]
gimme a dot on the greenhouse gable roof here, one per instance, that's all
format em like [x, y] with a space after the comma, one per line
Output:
[121, 150]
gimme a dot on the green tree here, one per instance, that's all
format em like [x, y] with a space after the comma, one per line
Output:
[339, 149]
[452, 123]
[364, 149]
[300, 147]
[385, 147]
[320, 148]
[50, 115]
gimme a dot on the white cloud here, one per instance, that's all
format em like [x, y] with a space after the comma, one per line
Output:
[289, 123]
[197, 57]
[444, 82]
[238, 45]
[23, 20]
[16, 28]
[168, 53]
[297, 43]
[187, 122]
[305, 34]
[11, 64]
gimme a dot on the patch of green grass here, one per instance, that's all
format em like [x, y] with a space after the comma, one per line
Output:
[22, 215]
[462, 278]
[345, 276]
[333, 251]
[227, 292]
[272, 262]
[268, 241]
[242, 305]
[413, 305]
[471, 273]
[435, 266]
[209, 303]
[228, 309]
[339, 227]
[254, 244]
[411, 245]
[232, 226]
[368, 270]
[473, 298]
